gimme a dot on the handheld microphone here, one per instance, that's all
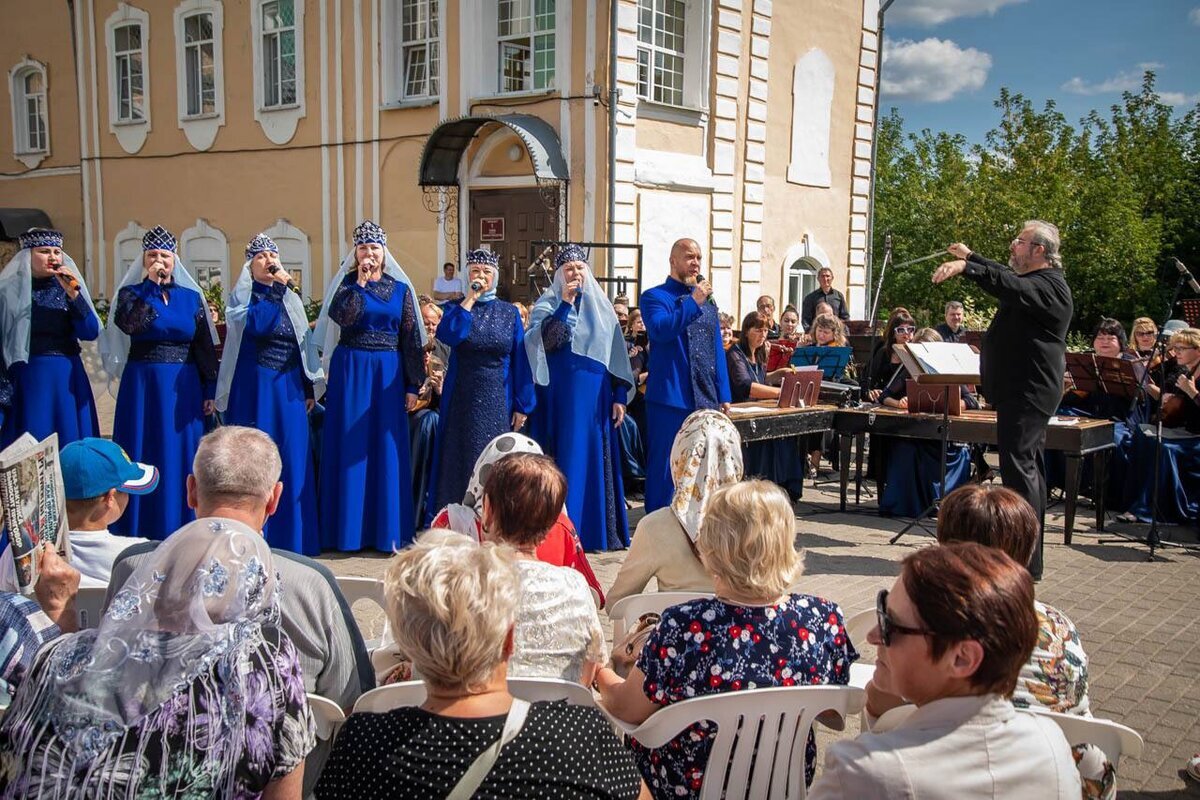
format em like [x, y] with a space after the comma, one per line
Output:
[291, 284]
[72, 284]
[476, 286]
[1188, 277]
[162, 275]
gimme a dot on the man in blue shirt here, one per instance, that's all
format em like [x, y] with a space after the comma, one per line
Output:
[686, 369]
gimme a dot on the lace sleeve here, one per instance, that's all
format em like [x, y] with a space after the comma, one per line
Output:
[203, 351]
[347, 306]
[410, 345]
[556, 335]
[133, 314]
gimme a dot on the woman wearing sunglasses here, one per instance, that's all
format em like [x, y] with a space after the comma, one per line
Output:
[952, 635]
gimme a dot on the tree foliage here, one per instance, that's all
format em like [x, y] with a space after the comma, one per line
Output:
[1124, 190]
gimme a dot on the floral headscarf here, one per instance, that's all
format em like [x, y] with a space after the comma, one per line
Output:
[706, 455]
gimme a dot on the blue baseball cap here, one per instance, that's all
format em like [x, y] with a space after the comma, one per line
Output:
[91, 467]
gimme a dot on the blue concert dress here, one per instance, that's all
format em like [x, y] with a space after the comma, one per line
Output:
[172, 370]
[366, 473]
[268, 391]
[51, 391]
[1179, 464]
[687, 371]
[585, 444]
[488, 378]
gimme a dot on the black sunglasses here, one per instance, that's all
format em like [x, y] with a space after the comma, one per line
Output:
[888, 626]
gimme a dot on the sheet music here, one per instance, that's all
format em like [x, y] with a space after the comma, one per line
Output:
[739, 410]
[945, 358]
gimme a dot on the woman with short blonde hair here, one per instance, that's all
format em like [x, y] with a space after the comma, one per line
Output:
[752, 633]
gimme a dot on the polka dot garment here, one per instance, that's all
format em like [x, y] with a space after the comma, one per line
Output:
[562, 752]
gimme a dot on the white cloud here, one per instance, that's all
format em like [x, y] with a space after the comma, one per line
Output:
[932, 70]
[935, 12]
[1179, 98]
[1121, 82]
[1194, 16]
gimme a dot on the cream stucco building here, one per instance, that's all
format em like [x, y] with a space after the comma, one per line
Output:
[745, 124]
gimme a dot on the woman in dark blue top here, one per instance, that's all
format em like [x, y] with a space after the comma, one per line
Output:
[161, 344]
[46, 311]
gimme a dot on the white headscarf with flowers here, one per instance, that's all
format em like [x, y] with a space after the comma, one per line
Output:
[706, 455]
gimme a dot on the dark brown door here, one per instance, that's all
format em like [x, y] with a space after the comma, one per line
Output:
[525, 219]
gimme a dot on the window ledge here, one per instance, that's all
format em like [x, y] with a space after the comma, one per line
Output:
[200, 117]
[502, 96]
[412, 102]
[273, 109]
[130, 123]
[20, 153]
[684, 115]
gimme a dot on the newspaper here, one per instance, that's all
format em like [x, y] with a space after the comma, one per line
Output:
[34, 503]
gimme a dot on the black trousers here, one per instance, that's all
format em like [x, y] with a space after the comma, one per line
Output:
[1021, 438]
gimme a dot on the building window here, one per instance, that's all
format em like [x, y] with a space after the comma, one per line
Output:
[801, 281]
[207, 274]
[199, 65]
[279, 53]
[661, 25]
[419, 54]
[127, 62]
[525, 30]
[29, 110]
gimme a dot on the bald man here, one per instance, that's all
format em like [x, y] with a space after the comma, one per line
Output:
[686, 363]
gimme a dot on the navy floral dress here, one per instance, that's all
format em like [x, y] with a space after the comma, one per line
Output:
[707, 646]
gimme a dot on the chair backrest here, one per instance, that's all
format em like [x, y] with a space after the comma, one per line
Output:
[328, 715]
[89, 606]
[412, 693]
[858, 625]
[355, 589]
[1113, 738]
[761, 736]
[626, 611]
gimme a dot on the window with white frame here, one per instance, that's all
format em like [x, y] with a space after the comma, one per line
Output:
[199, 65]
[29, 110]
[801, 281]
[661, 54]
[127, 65]
[278, 53]
[419, 59]
[525, 35]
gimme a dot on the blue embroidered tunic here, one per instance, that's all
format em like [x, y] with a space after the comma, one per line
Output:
[171, 371]
[268, 392]
[51, 391]
[366, 500]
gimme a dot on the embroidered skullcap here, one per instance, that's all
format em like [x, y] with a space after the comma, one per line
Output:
[40, 237]
[369, 233]
[158, 238]
[486, 257]
[259, 244]
[571, 252]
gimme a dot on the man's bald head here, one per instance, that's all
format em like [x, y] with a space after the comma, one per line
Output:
[685, 261]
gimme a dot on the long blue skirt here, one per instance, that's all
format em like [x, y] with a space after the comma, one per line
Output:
[662, 423]
[1178, 481]
[366, 500]
[633, 454]
[422, 439]
[159, 421]
[273, 402]
[781, 461]
[914, 475]
[51, 394]
[1118, 473]
[581, 438]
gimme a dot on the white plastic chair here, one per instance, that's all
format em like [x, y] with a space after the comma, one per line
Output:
[412, 693]
[625, 612]
[370, 589]
[89, 606]
[1113, 738]
[761, 734]
[328, 715]
[858, 625]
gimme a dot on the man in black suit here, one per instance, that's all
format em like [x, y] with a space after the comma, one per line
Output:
[1023, 354]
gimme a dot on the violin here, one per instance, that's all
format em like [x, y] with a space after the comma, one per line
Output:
[1173, 409]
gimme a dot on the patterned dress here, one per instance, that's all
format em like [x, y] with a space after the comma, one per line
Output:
[708, 646]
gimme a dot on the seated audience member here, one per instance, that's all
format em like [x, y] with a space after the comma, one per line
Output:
[622, 312]
[26, 625]
[558, 633]
[186, 688]
[952, 635]
[431, 315]
[706, 455]
[455, 607]
[753, 633]
[422, 430]
[952, 329]
[97, 478]
[560, 547]
[235, 476]
[727, 323]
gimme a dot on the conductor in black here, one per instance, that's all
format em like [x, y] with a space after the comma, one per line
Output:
[1023, 356]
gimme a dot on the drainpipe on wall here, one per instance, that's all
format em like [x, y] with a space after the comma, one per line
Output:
[874, 150]
[614, 97]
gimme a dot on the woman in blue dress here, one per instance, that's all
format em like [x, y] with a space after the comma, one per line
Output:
[266, 382]
[161, 344]
[577, 351]
[45, 311]
[488, 388]
[374, 344]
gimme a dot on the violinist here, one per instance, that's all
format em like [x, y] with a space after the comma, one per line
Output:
[1143, 332]
[1179, 464]
[790, 337]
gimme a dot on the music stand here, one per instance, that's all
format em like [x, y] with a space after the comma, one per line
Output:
[832, 361]
[1104, 374]
[801, 388]
[1191, 311]
[917, 370]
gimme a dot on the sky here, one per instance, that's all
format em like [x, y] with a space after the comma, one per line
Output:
[945, 61]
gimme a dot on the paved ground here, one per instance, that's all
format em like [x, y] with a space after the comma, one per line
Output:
[1137, 619]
